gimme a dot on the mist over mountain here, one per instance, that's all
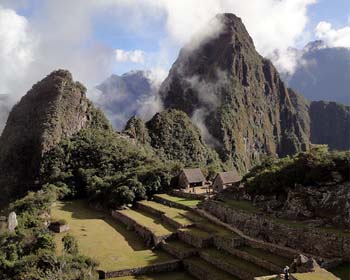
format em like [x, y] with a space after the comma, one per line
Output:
[224, 85]
[5, 107]
[323, 73]
[133, 93]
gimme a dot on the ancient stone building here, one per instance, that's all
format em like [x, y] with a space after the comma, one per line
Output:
[225, 179]
[190, 178]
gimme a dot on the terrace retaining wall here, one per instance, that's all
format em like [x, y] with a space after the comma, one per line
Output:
[154, 268]
[177, 252]
[194, 240]
[144, 232]
[232, 269]
[312, 241]
[179, 193]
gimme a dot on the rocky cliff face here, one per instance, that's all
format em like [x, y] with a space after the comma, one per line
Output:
[54, 108]
[173, 136]
[330, 124]
[236, 95]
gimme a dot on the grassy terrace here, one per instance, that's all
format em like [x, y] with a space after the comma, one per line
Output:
[248, 207]
[178, 215]
[102, 238]
[210, 269]
[188, 217]
[237, 262]
[319, 274]
[266, 255]
[151, 222]
[185, 201]
[159, 276]
[181, 246]
[197, 232]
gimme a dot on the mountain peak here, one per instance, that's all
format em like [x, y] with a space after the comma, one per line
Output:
[55, 108]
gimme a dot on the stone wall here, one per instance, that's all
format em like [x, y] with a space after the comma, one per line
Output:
[155, 268]
[187, 195]
[178, 252]
[228, 242]
[144, 232]
[194, 240]
[312, 241]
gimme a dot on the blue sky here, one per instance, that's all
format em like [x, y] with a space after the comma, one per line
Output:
[95, 38]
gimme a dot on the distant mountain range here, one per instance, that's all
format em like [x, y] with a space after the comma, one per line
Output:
[323, 73]
[121, 97]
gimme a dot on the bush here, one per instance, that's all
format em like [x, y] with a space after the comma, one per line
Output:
[277, 176]
[70, 245]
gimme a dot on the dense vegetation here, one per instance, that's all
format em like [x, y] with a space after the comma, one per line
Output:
[29, 253]
[313, 168]
[105, 167]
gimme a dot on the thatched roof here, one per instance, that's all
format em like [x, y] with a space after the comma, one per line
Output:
[229, 177]
[194, 175]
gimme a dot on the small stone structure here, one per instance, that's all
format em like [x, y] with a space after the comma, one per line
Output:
[12, 222]
[224, 180]
[190, 178]
[59, 227]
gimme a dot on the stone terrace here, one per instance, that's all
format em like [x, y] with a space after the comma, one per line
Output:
[206, 247]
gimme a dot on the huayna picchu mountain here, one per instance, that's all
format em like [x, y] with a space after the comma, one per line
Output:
[237, 94]
[54, 108]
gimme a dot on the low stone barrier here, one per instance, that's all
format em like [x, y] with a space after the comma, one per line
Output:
[155, 268]
[228, 242]
[180, 193]
[308, 240]
[146, 234]
[242, 274]
[194, 240]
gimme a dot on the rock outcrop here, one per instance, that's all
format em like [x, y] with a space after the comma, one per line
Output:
[173, 136]
[330, 124]
[222, 83]
[54, 108]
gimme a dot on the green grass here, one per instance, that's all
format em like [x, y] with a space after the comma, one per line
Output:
[178, 215]
[266, 255]
[237, 262]
[210, 269]
[342, 271]
[320, 274]
[242, 205]
[104, 239]
[159, 276]
[155, 224]
[180, 246]
[184, 201]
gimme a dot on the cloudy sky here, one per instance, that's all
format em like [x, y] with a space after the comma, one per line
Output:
[95, 38]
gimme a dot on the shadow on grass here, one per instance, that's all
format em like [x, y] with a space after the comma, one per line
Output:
[80, 210]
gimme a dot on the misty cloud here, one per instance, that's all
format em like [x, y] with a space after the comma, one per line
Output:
[333, 37]
[136, 56]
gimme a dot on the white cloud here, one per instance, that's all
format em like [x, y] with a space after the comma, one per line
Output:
[333, 37]
[17, 47]
[135, 56]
